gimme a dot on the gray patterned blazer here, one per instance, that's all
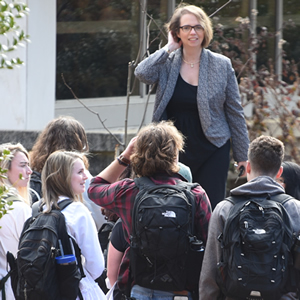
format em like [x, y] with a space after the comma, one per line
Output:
[218, 99]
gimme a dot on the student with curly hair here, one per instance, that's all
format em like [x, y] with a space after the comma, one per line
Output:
[153, 154]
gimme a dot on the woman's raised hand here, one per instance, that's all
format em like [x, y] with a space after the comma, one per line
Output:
[173, 41]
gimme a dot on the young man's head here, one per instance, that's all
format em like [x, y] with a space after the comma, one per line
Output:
[265, 156]
[157, 148]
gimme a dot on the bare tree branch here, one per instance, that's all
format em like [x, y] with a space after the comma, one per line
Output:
[144, 10]
[146, 105]
[243, 67]
[219, 9]
[90, 110]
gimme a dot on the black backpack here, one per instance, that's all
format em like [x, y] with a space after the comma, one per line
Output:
[36, 276]
[256, 245]
[35, 186]
[104, 238]
[165, 253]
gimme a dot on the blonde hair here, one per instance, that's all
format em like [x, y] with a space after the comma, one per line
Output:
[156, 150]
[182, 9]
[56, 177]
[6, 164]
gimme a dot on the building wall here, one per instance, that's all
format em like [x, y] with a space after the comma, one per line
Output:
[111, 110]
[27, 92]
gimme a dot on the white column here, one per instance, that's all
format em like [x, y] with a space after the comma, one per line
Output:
[27, 93]
[41, 63]
[13, 88]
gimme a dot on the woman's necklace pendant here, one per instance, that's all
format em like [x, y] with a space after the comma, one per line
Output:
[191, 64]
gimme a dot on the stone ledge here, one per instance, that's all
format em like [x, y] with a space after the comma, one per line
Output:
[102, 145]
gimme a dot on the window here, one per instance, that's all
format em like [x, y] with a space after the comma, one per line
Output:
[96, 40]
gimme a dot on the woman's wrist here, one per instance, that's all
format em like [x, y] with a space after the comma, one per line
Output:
[168, 49]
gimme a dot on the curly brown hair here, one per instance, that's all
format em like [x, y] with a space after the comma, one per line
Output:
[156, 150]
[62, 133]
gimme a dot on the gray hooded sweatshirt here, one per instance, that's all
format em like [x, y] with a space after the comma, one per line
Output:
[209, 289]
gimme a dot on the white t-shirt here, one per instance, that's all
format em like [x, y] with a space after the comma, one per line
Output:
[11, 227]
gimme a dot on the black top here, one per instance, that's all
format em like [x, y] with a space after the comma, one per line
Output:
[117, 237]
[182, 109]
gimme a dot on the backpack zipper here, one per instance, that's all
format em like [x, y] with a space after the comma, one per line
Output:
[261, 209]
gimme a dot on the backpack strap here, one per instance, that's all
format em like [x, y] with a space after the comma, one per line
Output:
[36, 208]
[282, 198]
[143, 181]
[187, 189]
[34, 192]
[67, 239]
[2, 285]
[62, 205]
[238, 203]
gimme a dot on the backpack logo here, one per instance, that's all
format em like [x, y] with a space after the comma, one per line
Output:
[169, 214]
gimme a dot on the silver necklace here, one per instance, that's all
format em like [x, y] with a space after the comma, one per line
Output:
[191, 64]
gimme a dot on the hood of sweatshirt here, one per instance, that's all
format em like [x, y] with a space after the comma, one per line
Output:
[258, 186]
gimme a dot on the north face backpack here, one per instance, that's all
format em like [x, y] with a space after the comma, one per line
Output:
[256, 247]
[104, 234]
[38, 277]
[165, 254]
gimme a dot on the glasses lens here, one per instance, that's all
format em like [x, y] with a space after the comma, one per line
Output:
[198, 27]
[186, 28]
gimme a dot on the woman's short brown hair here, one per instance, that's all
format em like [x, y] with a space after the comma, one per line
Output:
[182, 9]
[156, 150]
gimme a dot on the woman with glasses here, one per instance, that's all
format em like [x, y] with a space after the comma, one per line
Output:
[198, 90]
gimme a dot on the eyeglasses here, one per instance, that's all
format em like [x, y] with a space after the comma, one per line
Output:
[188, 28]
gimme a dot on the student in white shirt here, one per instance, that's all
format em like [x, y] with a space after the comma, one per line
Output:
[17, 180]
[63, 177]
